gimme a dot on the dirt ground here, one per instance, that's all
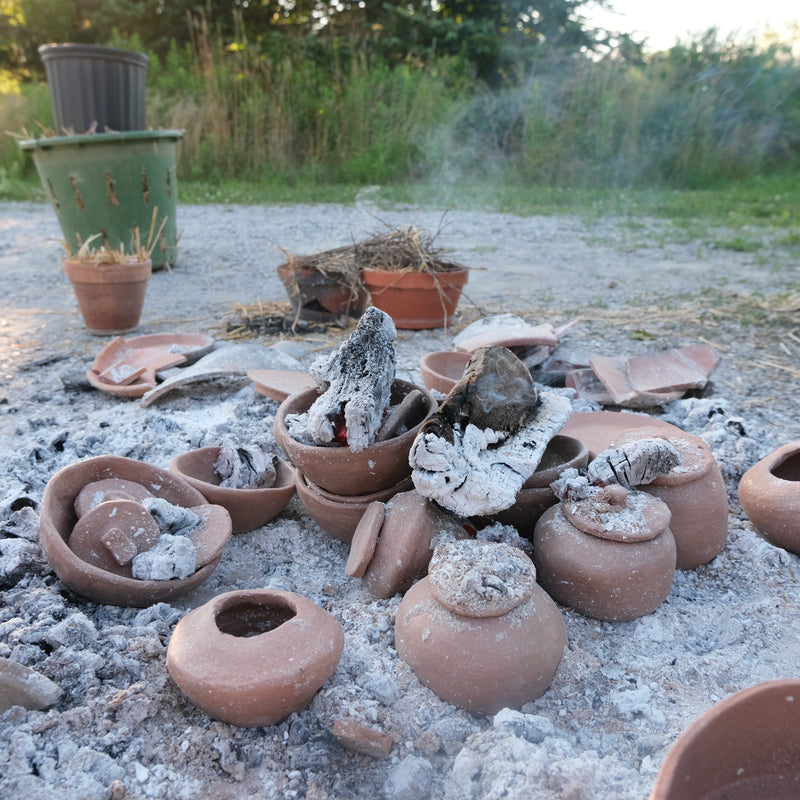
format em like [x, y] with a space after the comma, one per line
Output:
[623, 692]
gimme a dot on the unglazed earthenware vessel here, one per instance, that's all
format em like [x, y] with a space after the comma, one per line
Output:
[482, 645]
[338, 469]
[58, 519]
[339, 514]
[249, 508]
[770, 496]
[391, 545]
[695, 492]
[252, 657]
[442, 369]
[746, 747]
[610, 557]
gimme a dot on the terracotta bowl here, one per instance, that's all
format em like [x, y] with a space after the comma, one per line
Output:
[58, 517]
[443, 369]
[746, 746]
[338, 469]
[338, 514]
[249, 508]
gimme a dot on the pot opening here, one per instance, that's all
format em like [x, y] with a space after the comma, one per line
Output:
[788, 469]
[245, 618]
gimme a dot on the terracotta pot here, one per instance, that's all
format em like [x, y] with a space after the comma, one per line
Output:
[252, 657]
[536, 496]
[416, 300]
[58, 519]
[770, 496]
[610, 557]
[481, 651]
[110, 296]
[443, 369]
[695, 493]
[746, 747]
[341, 471]
[316, 297]
[339, 514]
[249, 508]
[391, 546]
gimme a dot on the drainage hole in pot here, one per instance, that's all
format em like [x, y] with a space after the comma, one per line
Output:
[247, 618]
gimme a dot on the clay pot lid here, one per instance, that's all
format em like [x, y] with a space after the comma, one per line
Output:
[127, 367]
[365, 540]
[109, 489]
[597, 429]
[278, 384]
[618, 514]
[480, 579]
[696, 456]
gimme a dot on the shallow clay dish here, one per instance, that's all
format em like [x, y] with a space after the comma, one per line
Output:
[443, 369]
[127, 367]
[249, 508]
[58, 518]
[339, 469]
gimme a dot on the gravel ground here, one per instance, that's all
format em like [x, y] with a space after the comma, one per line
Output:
[623, 692]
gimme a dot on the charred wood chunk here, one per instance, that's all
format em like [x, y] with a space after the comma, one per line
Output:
[635, 464]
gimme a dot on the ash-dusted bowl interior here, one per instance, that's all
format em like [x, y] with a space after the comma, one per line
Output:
[788, 469]
[244, 617]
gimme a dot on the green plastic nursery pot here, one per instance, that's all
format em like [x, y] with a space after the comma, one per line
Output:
[94, 87]
[112, 183]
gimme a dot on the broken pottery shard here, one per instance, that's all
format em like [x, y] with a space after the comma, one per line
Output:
[507, 330]
[635, 464]
[22, 686]
[487, 438]
[245, 467]
[358, 376]
[361, 739]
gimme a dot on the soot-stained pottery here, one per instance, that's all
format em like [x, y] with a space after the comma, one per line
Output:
[746, 747]
[337, 468]
[770, 496]
[478, 630]
[391, 546]
[96, 501]
[252, 657]
[694, 490]
[250, 508]
[339, 514]
[610, 556]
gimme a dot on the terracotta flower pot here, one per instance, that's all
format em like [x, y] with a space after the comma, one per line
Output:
[249, 508]
[110, 296]
[338, 469]
[479, 646]
[252, 657]
[745, 747]
[316, 297]
[58, 520]
[770, 496]
[416, 300]
[339, 514]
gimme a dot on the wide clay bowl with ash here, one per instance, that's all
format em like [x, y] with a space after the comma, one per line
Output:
[770, 496]
[337, 468]
[252, 657]
[92, 525]
[746, 747]
[250, 508]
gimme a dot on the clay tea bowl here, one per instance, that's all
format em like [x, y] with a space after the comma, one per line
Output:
[58, 518]
[443, 369]
[249, 508]
[339, 470]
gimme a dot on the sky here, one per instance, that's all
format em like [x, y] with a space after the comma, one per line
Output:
[664, 21]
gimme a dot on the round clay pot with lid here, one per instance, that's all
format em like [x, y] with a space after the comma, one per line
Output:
[695, 493]
[338, 469]
[770, 496]
[610, 556]
[250, 508]
[478, 630]
[746, 747]
[252, 657]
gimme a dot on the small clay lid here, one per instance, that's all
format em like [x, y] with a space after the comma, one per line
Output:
[480, 579]
[98, 492]
[365, 539]
[619, 514]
